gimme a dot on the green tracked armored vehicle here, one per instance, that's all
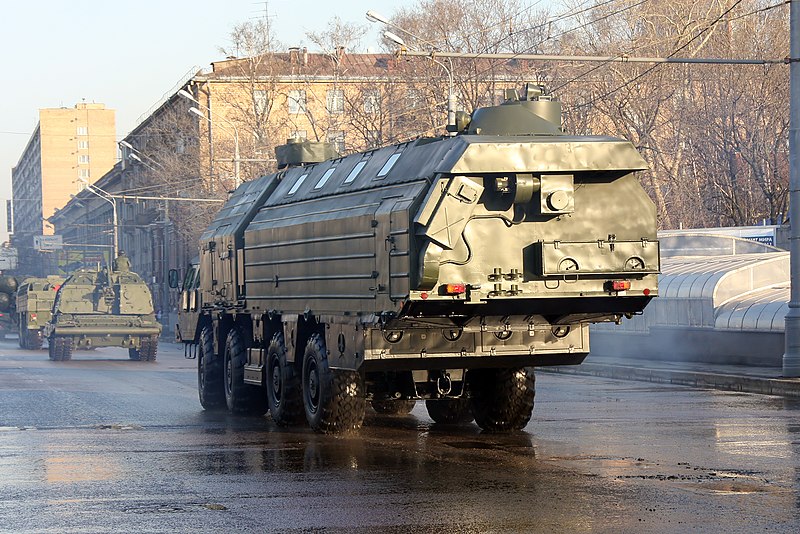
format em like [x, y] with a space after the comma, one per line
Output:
[35, 299]
[103, 309]
[440, 269]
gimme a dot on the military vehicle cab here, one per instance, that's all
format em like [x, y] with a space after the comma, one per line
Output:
[102, 308]
[441, 269]
[35, 298]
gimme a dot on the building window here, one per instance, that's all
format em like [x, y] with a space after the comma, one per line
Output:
[335, 101]
[83, 145]
[261, 101]
[336, 137]
[372, 101]
[298, 134]
[83, 173]
[83, 130]
[413, 99]
[373, 138]
[297, 101]
[83, 158]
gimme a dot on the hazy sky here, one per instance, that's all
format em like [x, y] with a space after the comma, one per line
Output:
[127, 55]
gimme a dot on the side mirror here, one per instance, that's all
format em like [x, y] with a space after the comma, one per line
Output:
[173, 278]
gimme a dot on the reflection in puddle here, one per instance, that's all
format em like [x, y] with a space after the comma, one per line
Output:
[71, 469]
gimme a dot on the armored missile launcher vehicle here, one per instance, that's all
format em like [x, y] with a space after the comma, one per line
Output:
[440, 269]
[103, 309]
[35, 299]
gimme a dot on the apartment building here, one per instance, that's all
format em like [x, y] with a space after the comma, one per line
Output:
[68, 146]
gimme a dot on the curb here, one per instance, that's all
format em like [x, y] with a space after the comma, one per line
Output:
[784, 387]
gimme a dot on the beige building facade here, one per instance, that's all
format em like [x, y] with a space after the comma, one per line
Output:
[68, 146]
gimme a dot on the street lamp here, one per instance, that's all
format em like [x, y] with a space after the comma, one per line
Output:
[108, 197]
[137, 155]
[451, 97]
[183, 93]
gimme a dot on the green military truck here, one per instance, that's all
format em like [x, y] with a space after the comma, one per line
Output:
[101, 308]
[35, 298]
[441, 269]
[8, 316]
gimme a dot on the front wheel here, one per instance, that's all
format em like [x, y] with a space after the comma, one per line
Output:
[209, 373]
[60, 348]
[333, 399]
[502, 399]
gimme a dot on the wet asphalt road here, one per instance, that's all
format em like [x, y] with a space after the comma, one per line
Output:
[103, 444]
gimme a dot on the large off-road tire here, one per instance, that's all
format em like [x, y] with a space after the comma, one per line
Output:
[334, 400]
[209, 373]
[23, 333]
[240, 397]
[149, 348]
[393, 407]
[449, 411]
[502, 399]
[60, 348]
[284, 392]
[33, 340]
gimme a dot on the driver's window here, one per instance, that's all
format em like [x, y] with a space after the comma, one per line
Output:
[188, 282]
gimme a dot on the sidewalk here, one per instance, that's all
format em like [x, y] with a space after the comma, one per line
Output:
[763, 380]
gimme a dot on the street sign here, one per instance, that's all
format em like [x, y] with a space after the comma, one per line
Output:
[47, 242]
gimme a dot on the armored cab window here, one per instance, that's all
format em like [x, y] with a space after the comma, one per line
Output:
[324, 179]
[355, 172]
[297, 185]
[388, 165]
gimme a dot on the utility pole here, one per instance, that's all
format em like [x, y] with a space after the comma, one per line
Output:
[791, 358]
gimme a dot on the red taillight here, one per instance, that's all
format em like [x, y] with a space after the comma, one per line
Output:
[33, 317]
[646, 292]
[619, 285]
[455, 289]
[56, 287]
[423, 296]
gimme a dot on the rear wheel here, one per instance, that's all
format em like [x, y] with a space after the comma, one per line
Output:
[284, 393]
[449, 411]
[209, 373]
[23, 334]
[333, 399]
[33, 339]
[502, 399]
[240, 397]
[393, 407]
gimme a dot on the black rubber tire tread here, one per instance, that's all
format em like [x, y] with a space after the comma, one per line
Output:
[502, 399]
[149, 348]
[23, 334]
[60, 348]
[209, 374]
[240, 398]
[286, 401]
[449, 411]
[33, 340]
[52, 349]
[341, 402]
[393, 407]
